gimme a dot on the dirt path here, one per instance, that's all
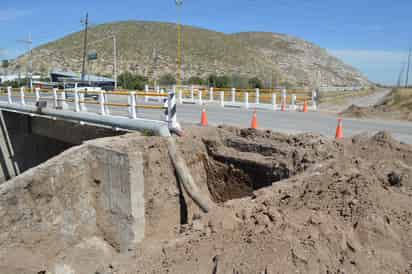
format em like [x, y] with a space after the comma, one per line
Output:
[363, 101]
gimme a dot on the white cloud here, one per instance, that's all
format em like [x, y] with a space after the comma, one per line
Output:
[379, 65]
[12, 14]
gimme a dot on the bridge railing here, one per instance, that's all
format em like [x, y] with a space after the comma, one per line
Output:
[104, 102]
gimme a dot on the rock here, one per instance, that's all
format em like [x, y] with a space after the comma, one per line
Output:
[395, 179]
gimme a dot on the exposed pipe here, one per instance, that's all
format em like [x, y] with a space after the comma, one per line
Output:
[158, 127]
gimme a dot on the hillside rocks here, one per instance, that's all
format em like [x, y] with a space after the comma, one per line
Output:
[150, 49]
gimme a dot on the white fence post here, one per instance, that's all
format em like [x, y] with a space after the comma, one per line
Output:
[171, 112]
[101, 102]
[161, 92]
[283, 98]
[222, 98]
[293, 102]
[200, 97]
[257, 96]
[9, 95]
[314, 100]
[22, 101]
[55, 98]
[211, 94]
[246, 100]
[37, 94]
[132, 108]
[274, 106]
[146, 90]
[233, 95]
[192, 94]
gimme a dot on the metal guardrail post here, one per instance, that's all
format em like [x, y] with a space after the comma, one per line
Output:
[211, 94]
[222, 98]
[274, 106]
[63, 100]
[102, 103]
[246, 100]
[233, 95]
[76, 100]
[9, 95]
[257, 91]
[55, 98]
[106, 100]
[132, 108]
[161, 92]
[22, 101]
[82, 104]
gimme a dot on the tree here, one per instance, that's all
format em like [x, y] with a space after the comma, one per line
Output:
[5, 64]
[222, 81]
[195, 80]
[128, 80]
[167, 79]
[212, 80]
[255, 83]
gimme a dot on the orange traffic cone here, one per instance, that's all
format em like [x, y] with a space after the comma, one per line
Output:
[203, 120]
[305, 106]
[254, 123]
[339, 130]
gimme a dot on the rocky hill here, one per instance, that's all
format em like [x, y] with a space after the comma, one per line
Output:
[149, 48]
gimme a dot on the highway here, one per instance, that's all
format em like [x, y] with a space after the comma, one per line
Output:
[286, 122]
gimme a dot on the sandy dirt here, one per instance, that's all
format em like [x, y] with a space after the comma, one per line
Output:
[282, 204]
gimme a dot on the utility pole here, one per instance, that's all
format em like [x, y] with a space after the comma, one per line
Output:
[179, 43]
[407, 69]
[400, 75]
[29, 73]
[86, 25]
[115, 61]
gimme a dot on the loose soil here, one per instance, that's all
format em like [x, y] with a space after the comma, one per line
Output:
[282, 204]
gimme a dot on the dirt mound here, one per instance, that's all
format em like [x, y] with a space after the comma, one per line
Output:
[283, 204]
[354, 111]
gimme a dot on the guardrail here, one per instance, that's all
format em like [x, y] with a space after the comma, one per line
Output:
[78, 101]
[252, 98]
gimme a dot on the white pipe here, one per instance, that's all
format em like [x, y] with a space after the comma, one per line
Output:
[158, 127]
[233, 95]
[200, 97]
[211, 94]
[37, 92]
[55, 98]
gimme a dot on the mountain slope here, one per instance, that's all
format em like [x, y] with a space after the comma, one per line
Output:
[149, 48]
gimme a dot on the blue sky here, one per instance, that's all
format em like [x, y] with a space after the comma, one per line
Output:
[373, 36]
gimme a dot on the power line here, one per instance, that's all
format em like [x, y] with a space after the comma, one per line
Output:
[29, 73]
[86, 23]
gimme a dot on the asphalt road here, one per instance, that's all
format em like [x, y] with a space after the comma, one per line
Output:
[287, 122]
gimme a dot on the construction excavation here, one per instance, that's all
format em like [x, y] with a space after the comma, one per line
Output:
[216, 200]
